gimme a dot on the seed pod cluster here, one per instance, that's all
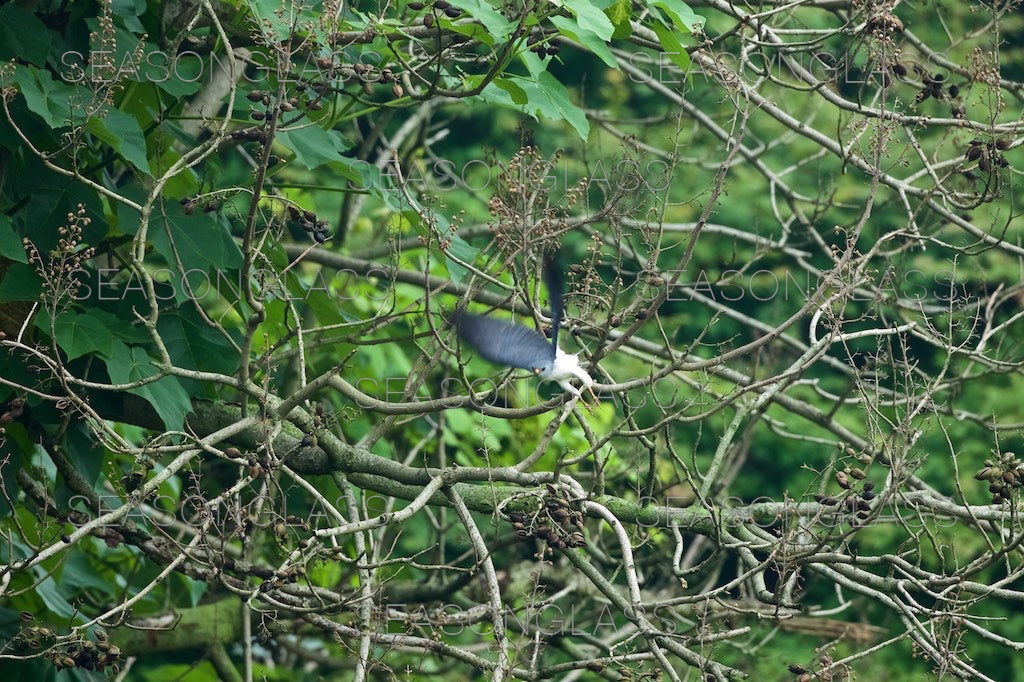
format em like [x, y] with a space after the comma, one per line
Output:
[542, 49]
[190, 204]
[86, 654]
[885, 23]
[856, 501]
[11, 411]
[310, 223]
[1003, 475]
[556, 522]
[988, 154]
[436, 8]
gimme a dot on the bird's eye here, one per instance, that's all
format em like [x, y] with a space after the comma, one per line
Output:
[537, 370]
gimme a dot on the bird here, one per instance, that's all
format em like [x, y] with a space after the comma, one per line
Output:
[510, 344]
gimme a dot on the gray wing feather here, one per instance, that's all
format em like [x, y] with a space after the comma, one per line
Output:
[504, 343]
[556, 286]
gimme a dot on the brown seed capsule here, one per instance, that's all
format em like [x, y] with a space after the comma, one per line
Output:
[397, 90]
[233, 453]
[453, 12]
[869, 486]
[254, 95]
[868, 495]
[442, 4]
[257, 115]
[899, 69]
[797, 669]
[428, 20]
[1001, 161]
[954, 91]
[984, 163]
[973, 153]
[843, 480]
[858, 474]
[315, 105]
[1002, 143]
[415, 6]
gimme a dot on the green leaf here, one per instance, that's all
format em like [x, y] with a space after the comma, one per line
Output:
[599, 46]
[78, 335]
[673, 48]
[84, 451]
[203, 244]
[461, 249]
[193, 344]
[168, 398]
[591, 18]
[546, 96]
[129, 11]
[50, 99]
[314, 146]
[496, 24]
[10, 242]
[122, 132]
[517, 94]
[21, 283]
[684, 18]
[22, 35]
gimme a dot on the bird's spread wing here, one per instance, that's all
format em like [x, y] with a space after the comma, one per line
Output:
[555, 284]
[504, 343]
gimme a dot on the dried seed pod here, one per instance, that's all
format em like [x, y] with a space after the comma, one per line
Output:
[899, 69]
[984, 163]
[953, 90]
[858, 474]
[453, 12]
[868, 495]
[428, 20]
[442, 4]
[1002, 143]
[843, 480]
[416, 6]
[869, 486]
[397, 90]
[257, 115]
[973, 153]
[254, 95]
[797, 669]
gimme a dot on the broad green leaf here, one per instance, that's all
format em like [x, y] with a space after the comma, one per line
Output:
[122, 132]
[10, 243]
[79, 334]
[314, 146]
[684, 18]
[168, 398]
[591, 18]
[21, 283]
[129, 11]
[462, 250]
[496, 24]
[571, 29]
[22, 35]
[547, 97]
[192, 344]
[84, 451]
[203, 244]
[620, 13]
[517, 94]
[58, 103]
[673, 48]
